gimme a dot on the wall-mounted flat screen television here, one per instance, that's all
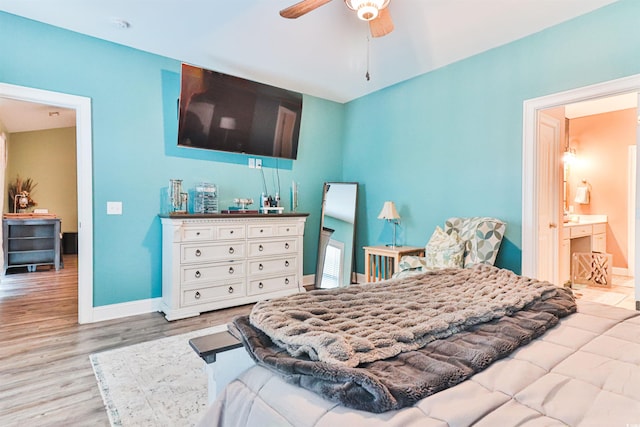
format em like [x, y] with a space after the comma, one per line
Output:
[227, 113]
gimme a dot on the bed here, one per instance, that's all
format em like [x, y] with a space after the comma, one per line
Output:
[510, 351]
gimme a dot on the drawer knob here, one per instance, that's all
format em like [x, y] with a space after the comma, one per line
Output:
[286, 263]
[287, 229]
[261, 230]
[197, 274]
[231, 270]
[286, 245]
[286, 281]
[230, 289]
[197, 295]
[261, 248]
[231, 232]
[260, 285]
[197, 233]
[198, 253]
[231, 250]
[260, 267]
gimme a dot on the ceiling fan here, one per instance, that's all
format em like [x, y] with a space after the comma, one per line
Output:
[375, 12]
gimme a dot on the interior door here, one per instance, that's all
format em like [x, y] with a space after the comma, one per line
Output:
[548, 204]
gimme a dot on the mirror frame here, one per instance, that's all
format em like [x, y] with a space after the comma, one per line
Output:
[350, 258]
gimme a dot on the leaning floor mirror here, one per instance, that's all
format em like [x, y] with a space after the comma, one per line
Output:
[336, 245]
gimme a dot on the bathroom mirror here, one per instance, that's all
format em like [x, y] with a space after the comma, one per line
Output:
[336, 245]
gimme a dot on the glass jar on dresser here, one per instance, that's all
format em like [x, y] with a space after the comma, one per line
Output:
[214, 261]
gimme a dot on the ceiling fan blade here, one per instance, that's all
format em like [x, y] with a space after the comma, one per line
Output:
[299, 9]
[382, 25]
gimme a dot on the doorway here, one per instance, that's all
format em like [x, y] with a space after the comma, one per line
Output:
[532, 251]
[82, 107]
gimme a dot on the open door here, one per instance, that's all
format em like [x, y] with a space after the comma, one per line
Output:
[549, 178]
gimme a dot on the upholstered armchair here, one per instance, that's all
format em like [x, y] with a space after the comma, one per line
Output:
[463, 242]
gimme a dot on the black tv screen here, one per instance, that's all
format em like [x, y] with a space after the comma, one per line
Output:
[227, 113]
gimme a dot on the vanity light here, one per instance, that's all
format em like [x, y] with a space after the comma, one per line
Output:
[367, 10]
[569, 156]
[390, 213]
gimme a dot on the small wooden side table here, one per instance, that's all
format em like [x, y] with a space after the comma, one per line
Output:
[382, 261]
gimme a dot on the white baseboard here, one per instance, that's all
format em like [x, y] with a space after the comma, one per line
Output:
[619, 271]
[125, 309]
[309, 279]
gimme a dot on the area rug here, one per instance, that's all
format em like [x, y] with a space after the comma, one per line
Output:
[155, 383]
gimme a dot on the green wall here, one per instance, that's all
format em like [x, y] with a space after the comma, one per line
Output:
[133, 96]
[449, 143]
[48, 157]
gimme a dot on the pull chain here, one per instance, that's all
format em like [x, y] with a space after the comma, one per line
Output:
[367, 76]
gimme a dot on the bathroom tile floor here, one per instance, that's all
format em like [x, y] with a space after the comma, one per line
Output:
[621, 293]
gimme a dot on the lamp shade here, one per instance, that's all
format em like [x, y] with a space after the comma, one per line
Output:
[389, 211]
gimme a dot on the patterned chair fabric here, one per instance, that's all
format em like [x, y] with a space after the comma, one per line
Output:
[481, 237]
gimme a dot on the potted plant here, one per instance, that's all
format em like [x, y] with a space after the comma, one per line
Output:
[20, 195]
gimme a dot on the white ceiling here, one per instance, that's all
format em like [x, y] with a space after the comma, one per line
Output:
[21, 116]
[323, 53]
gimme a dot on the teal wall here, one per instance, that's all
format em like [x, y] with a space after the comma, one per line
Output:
[449, 143]
[133, 96]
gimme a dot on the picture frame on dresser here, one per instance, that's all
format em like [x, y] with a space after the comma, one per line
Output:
[214, 261]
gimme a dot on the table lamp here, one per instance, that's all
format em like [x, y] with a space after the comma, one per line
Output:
[390, 213]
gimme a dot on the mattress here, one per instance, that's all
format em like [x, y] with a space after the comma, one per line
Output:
[583, 372]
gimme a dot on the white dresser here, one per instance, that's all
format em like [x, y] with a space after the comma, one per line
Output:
[216, 261]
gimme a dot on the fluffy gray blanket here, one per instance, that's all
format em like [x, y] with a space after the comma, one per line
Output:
[369, 322]
[402, 380]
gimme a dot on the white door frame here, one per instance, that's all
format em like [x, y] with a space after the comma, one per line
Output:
[631, 198]
[530, 162]
[82, 106]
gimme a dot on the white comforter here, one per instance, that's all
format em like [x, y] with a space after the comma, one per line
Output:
[583, 372]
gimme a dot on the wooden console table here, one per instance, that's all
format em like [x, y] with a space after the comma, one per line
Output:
[31, 242]
[382, 261]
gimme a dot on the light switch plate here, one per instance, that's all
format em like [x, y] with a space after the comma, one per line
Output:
[114, 208]
[252, 163]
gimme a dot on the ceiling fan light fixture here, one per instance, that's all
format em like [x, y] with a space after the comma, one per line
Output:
[367, 10]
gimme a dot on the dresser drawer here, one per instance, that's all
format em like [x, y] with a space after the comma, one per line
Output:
[289, 229]
[230, 232]
[212, 252]
[599, 228]
[272, 284]
[260, 230]
[213, 293]
[211, 272]
[197, 233]
[273, 247]
[280, 265]
[581, 230]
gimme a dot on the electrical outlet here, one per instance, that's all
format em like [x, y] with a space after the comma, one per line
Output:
[252, 163]
[114, 208]
[258, 163]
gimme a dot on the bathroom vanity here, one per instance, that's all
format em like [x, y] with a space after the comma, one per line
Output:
[585, 233]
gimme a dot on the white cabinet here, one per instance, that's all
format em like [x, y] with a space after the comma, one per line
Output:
[599, 238]
[217, 261]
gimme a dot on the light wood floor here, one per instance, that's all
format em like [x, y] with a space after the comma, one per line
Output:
[46, 378]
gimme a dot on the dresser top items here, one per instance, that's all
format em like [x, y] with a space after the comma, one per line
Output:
[233, 215]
